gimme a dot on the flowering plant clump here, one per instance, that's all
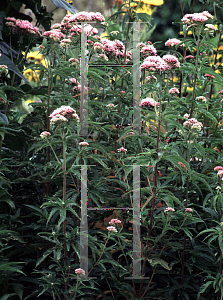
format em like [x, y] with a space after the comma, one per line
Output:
[130, 133]
[22, 27]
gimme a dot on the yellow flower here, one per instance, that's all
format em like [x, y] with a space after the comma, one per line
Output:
[37, 58]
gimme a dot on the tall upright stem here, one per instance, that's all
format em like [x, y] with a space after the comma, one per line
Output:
[154, 199]
[64, 203]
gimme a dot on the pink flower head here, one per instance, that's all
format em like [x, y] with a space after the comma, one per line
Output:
[22, 27]
[148, 50]
[150, 102]
[189, 57]
[155, 63]
[207, 14]
[54, 34]
[208, 75]
[45, 134]
[174, 91]
[98, 46]
[186, 116]
[220, 173]
[193, 124]
[140, 45]
[189, 210]
[65, 112]
[172, 42]
[122, 149]
[103, 56]
[172, 60]
[83, 144]
[182, 165]
[65, 43]
[80, 271]
[58, 119]
[4, 69]
[196, 18]
[169, 209]
[112, 229]
[210, 27]
[201, 98]
[218, 168]
[115, 221]
[123, 92]
[110, 105]
[221, 92]
[73, 61]
[41, 48]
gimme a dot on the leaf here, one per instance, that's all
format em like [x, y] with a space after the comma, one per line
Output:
[45, 254]
[163, 263]
[64, 5]
[3, 119]
[4, 60]
[7, 296]
[18, 288]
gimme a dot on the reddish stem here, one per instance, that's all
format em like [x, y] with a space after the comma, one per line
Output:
[153, 207]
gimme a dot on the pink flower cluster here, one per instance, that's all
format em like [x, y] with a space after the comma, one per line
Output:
[172, 42]
[45, 134]
[110, 105]
[210, 27]
[169, 209]
[122, 149]
[22, 26]
[149, 102]
[172, 60]
[115, 48]
[112, 229]
[73, 61]
[208, 75]
[77, 85]
[84, 16]
[196, 17]
[4, 69]
[115, 221]
[189, 210]
[83, 144]
[155, 63]
[63, 114]
[201, 98]
[189, 57]
[65, 43]
[193, 124]
[148, 50]
[54, 34]
[220, 171]
[173, 91]
[88, 29]
[80, 271]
